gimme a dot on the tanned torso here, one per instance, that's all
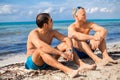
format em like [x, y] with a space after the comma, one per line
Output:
[42, 36]
[85, 28]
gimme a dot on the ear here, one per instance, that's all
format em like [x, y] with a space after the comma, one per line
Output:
[45, 25]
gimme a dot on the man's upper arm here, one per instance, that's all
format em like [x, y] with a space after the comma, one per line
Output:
[96, 27]
[100, 31]
[34, 37]
[72, 32]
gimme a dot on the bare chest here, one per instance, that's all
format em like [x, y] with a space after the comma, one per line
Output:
[47, 38]
[83, 30]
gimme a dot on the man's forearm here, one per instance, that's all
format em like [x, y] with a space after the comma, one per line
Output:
[81, 36]
[101, 34]
[48, 49]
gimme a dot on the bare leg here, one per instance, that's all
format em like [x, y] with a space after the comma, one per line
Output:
[83, 66]
[76, 59]
[88, 50]
[61, 47]
[103, 49]
[40, 57]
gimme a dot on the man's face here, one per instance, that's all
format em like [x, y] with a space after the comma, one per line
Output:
[81, 15]
[50, 23]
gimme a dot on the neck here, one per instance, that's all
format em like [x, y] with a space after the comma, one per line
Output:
[79, 23]
[43, 31]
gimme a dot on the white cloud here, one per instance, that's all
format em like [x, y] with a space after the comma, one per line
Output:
[28, 10]
[48, 10]
[105, 10]
[92, 10]
[61, 9]
[7, 9]
[96, 9]
[30, 13]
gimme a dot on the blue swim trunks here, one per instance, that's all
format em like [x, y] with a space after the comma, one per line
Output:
[29, 64]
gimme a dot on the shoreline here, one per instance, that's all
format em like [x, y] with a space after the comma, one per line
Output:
[21, 57]
[12, 59]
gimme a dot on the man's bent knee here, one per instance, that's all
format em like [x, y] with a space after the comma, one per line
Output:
[62, 46]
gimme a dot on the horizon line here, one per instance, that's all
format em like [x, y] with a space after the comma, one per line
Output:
[59, 20]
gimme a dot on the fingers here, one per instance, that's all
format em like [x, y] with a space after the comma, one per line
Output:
[94, 44]
[96, 38]
[69, 56]
[64, 56]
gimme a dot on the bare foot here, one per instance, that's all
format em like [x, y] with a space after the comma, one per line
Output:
[102, 62]
[73, 74]
[110, 60]
[86, 67]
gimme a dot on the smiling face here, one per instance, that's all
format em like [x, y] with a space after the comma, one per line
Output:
[81, 15]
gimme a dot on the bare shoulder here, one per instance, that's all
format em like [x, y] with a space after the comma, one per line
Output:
[89, 24]
[33, 32]
[72, 26]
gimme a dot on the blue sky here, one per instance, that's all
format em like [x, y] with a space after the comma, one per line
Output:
[26, 10]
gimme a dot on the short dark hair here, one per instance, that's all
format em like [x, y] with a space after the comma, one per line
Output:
[41, 19]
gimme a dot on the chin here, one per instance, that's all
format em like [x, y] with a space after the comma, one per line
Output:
[84, 21]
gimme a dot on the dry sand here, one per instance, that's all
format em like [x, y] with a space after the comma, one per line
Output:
[13, 69]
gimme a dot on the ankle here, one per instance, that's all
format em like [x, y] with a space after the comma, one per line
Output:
[106, 57]
[82, 63]
[69, 71]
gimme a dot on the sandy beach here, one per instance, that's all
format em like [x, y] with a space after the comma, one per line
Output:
[12, 68]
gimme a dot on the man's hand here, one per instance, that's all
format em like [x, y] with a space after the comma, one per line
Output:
[69, 55]
[96, 38]
[64, 56]
[94, 44]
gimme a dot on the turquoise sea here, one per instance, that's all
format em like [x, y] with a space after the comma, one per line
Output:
[13, 35]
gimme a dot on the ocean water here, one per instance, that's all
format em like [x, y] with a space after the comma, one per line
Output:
[13, 35]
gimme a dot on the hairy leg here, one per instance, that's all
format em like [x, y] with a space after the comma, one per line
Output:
[61, 47]
[86, 48]
[103, 49]
[40, 57]
[83, 66]
[76, 59]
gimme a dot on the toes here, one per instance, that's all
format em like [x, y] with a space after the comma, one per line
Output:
[87, 67]
[110, 60]
[114, 62]
[73, 74]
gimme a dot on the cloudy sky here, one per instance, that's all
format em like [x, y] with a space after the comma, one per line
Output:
[26, 10]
